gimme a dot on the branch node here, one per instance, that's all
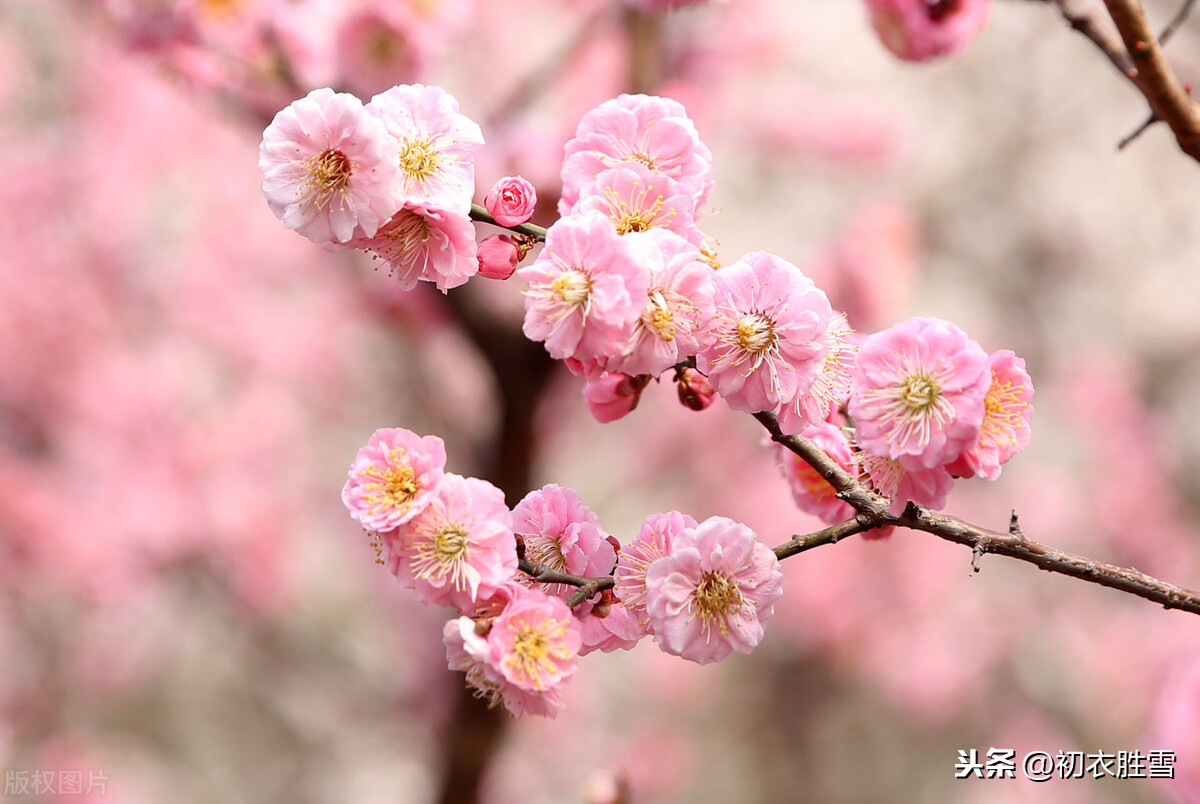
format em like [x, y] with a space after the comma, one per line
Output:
[1014, 526]
[977, 553]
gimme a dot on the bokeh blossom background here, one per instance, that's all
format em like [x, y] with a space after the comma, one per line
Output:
[186, 607]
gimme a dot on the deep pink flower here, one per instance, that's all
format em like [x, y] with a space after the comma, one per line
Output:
[393, 478]
[810, 490]
[916, 30]
[607, 626]
[678, 307]
[637, 199]
[435, 145]
[562, 533]
[768, 334]
[498, 257]
[612, 396]
[425, 243]
[586, 289]
[831, 387]
[535, 641]
[327, 168]
[1006, 419]
[713, 592]
[900, 483]
[918, 392]
[645, 129]
[460, 548]
[695, 391]
[653, 541]
[511, 201]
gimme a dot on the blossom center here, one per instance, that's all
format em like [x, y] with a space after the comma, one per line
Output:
[328, 175]
[755, 333]
[450, 543]
[393, 487]
[919, 393]
[534, 651]
[418, 158]
[572, 287]
[717, 595]
[546, 551]
[1002, 412]
[402, 240]
[644, 158]
[659, 318]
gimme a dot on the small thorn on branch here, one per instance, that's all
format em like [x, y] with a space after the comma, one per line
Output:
[1137, 132]
[976, 553]
[1014, 526]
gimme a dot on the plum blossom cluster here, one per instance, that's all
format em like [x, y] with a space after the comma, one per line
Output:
[702, 590]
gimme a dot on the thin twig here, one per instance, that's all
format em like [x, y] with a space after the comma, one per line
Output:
[480, 214]
[1176, 21]
[1137, 132]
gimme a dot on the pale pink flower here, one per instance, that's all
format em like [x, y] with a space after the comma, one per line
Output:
[1008, 410]
[511, 201]
[378, 45]
[900, 483]
[498, 257]
[612, 396]
[434, 145]
[607, 626]
[712, 593]
[694, 389]
[638, 199]
[677, 311]
[425, 243]
[586, 289]
[460, 548]
[645, 129]
[562, 533]
[810, 490]
[327, 168]
[918, 392]
[831, 387]
[535, 641]
[917, 30]
[768, 334]
[653, 541]
[393, 478]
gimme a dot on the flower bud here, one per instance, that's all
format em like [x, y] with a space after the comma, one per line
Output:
[498, 256]
[511, 201]
[611, 396]
[695, 391]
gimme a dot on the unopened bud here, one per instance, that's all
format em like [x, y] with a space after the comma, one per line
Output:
[498, 256]
[695, 391]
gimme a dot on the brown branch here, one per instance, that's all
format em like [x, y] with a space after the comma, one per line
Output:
[480, 214]
[589, 587]
[873, 512]
[1099, 35]
[1168, 99]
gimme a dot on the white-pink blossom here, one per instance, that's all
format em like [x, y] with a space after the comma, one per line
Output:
[652, 542]
[434, 145]
[426, 243]
[586, 289]
[393, 478]
[535, 641]
[511, 201]
[767, 339]
[460, 548]
[900, 482]
[831, 387]
[653, 131]
[562, 533]
[1008, 411]
[327, 168]
[918, 392]
[712, 593]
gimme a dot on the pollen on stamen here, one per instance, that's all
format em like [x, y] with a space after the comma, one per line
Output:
[419, 158]
[328, 173]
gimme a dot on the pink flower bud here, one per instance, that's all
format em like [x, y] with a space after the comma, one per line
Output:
[611, 396]
[511, 201]
[695, 391]
[498, 257]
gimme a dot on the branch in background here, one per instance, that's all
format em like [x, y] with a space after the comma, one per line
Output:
[1176, 21]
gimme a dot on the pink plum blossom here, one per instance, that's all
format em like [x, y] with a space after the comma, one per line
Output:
[810, 490]
[645, 129]
[425, 243]
[653, 541]
[768, 334]
[562, 533]
[713, 592]
[1006, 419]
[535, 641]
[511, 201]
[498, 257]
[607, 626]
[586, 289]
[460, 548]
[901, 483]
[637, 199]
[917, 30]
[376, 45]
[694, 389]
[393, 478]
[434, 145]
[327, 168]
[678, 308]
[611, 396]
[918, 393]
[831, 387]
